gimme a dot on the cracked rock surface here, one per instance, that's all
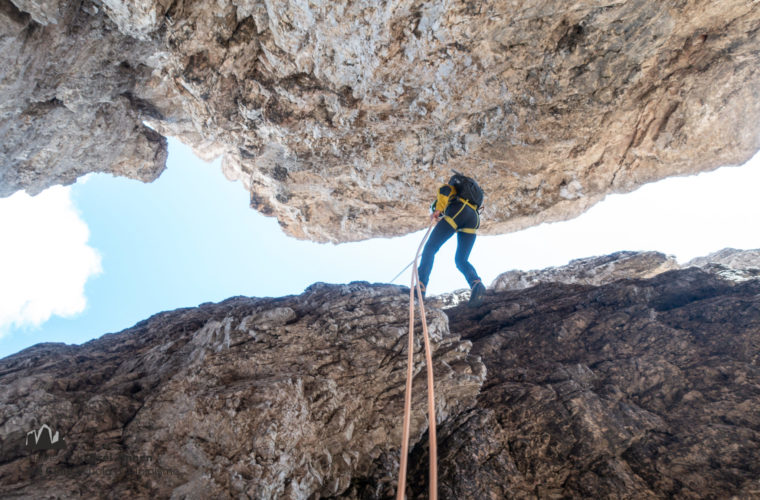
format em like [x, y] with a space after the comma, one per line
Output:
[634, 388]
[591, 270]
[730, 263]
[640, 388]
[332, 114]
[248, 398]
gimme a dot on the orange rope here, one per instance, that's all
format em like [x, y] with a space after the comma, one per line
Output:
[433, 472]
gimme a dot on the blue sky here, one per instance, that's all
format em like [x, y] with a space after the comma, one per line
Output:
[107, 252]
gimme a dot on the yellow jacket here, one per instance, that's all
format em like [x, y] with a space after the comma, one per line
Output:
[445, 194]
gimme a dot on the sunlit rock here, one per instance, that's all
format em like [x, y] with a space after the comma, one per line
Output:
[341, 119]
[591, 270]
[730, 263]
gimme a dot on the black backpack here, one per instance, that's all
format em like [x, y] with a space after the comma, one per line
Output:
[467, 189]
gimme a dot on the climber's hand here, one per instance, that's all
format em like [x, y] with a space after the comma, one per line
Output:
[435, 215]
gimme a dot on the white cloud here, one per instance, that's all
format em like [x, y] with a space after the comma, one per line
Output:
[44, 258]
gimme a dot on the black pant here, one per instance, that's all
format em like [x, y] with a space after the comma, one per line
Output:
[465, 218]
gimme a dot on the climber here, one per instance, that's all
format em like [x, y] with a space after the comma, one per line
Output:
[456, 210]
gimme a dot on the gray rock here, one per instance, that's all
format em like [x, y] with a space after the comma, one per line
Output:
[730, 257]
[258, 398]
[641, 387]
[634, 389]
[68, 98]
[730, 263]
[331, 114]
[591, 270]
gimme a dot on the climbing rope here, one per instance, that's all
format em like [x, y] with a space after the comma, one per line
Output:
[433, 472]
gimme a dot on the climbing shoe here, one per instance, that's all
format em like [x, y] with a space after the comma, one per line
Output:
[476, 294]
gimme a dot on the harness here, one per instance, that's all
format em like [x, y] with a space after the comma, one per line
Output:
[452, 222]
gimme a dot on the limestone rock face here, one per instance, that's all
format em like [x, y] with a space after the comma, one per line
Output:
[342, 118]
[731, 264]
[252, 398]
[629, 389]
[634, 389]
[744, 260]
[68, 100]
[591, 270]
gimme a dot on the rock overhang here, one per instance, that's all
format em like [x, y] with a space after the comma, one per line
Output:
[340, 120]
